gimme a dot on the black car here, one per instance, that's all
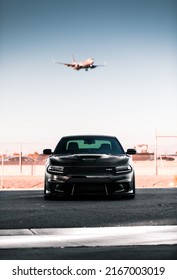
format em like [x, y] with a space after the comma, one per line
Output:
[89, 164]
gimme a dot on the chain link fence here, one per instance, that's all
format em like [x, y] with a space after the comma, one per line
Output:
[27, 159]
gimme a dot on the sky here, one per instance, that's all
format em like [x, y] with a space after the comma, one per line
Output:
[135, 94]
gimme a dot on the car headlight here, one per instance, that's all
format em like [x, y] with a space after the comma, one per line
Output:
[55, 169]
[123, 169]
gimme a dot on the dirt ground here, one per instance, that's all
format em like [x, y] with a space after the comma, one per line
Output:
[37, 182]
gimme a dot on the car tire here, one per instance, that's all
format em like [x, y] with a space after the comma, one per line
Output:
[132, 195]
[134, 189]
[46, 196]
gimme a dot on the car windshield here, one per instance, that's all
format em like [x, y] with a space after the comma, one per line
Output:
[89, 145]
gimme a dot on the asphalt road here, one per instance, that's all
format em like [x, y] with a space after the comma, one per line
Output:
[28, 210]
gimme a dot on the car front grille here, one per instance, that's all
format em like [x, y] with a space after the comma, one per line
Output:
[88, 170]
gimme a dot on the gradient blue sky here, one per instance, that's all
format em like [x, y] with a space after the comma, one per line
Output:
[132, 96]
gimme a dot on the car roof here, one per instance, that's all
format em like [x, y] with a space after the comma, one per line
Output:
[88, 135]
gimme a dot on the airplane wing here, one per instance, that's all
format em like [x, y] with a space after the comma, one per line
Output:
[63, 63]
[98, 65]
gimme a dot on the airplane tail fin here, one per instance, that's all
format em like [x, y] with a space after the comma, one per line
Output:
[74, 61]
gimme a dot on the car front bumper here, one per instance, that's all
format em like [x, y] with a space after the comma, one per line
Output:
[117, 184]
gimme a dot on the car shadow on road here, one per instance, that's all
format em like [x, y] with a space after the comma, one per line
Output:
[89, 197]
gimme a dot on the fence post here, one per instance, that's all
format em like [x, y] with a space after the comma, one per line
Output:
[20, 158]
[2, 171]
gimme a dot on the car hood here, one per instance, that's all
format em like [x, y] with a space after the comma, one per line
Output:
[89, 159]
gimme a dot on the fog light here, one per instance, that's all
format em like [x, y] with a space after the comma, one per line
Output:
[59, 188]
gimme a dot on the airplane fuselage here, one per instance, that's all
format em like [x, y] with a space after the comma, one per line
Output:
[84, 64]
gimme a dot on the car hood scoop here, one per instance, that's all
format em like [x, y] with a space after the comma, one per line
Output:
[88, 157]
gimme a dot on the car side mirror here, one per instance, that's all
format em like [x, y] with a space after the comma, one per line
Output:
[47, 152]
[131, 151]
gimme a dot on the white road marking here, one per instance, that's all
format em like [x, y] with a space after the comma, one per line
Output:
[88, 237]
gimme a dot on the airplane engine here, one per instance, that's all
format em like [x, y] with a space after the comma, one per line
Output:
[77, 67]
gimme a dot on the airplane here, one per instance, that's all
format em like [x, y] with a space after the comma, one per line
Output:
[86, 64]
